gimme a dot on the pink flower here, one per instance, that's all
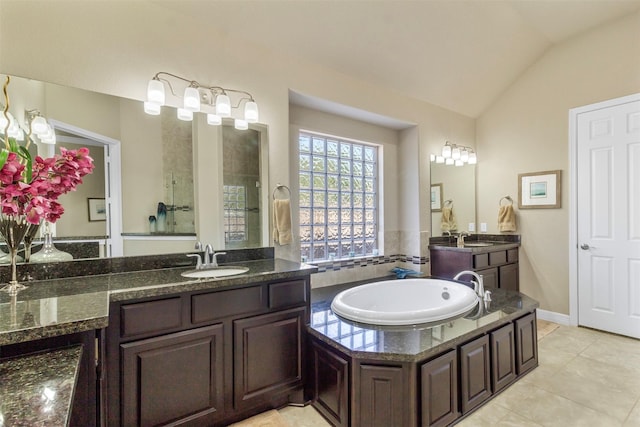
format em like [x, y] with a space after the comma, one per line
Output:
[36, 198]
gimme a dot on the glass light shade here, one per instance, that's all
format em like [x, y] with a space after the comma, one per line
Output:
[455, 153]
[446, 151]
[155, 92]
[192, 99]
[49, 139]
[223, 106]
[459, 162]
[20, 136]
[241, 124]
[472, 158]
[439, 159]
[464, 155]
[152, 108]
[39, 125]
[432, 157]
[185, 115]
[449, 161]
[214, 119]
[3, 122]
[251, 114]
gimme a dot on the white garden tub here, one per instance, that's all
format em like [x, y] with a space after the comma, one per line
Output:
[404, 302]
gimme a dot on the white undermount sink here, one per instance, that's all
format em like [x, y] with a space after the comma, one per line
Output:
[215, 272]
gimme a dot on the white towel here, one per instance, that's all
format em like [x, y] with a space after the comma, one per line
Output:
[282, 221]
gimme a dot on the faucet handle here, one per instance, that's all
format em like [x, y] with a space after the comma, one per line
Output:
[214, 261]
[198, 260]
[198, 246]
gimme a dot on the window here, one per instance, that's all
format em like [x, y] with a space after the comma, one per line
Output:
[338, 197]
[235, 213]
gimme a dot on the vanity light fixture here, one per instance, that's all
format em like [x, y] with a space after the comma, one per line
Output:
[455, 154]
[38, 126]
[215, 101]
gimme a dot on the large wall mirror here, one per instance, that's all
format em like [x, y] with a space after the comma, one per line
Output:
[160, 184]
[453, 187]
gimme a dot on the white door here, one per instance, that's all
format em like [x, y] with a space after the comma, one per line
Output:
[608, 214]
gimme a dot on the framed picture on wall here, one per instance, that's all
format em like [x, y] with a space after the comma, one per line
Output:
[540, 190]
[97, 210]
[436, 197]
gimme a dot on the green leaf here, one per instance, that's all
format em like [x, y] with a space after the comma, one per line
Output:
[28, 167]
[4, 154]
[13, 145]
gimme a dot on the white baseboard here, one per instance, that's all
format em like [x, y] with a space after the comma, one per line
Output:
[552, 316]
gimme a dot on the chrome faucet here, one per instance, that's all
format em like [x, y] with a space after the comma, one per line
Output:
[478, 285]
[461, 238]
[208, 252]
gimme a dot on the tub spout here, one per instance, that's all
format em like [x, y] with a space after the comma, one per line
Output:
[478, 284]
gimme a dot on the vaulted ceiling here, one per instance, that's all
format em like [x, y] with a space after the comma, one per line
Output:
[458, 54]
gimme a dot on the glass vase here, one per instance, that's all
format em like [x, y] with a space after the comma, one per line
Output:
[32, 230]
[13, 229]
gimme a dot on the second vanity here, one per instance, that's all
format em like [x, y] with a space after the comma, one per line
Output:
[165, 349]
[495, 257]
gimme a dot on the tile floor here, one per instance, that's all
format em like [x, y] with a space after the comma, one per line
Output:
[584, 378]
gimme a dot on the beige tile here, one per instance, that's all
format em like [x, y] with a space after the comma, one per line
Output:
[488, 415]
[588, 383]
[634, 417]
[571, 340]
[550, 410]
[615, 350]
[303, 417]
[514, 420]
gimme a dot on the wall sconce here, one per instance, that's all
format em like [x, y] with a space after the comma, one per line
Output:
[454, 154]
[215, 101]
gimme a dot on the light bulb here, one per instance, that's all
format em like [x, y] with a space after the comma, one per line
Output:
[464, 155]
[185, 115]
[439, 159]
[223, 106]
[192, 99]
[152, 108]
[155, 92]
[38, 125]
[446, 151]
[449, 161]
[241, 124]
[251, 114]
[455, 153]
[214, 119]
[472, 158]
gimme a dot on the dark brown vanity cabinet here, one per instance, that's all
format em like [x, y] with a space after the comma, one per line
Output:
[499, 267]
[209, 357]
[434, 391]
[475, 373]
[439, 390]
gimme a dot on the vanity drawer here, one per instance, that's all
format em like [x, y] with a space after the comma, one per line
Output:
[497, 258]
[512, 255]
[285, 294]
[150, 317]
[480, 261]
[220, 304]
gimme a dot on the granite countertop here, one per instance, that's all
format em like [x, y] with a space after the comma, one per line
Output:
[37, 390]
[63, 306]
[410, 343]
[476, 243]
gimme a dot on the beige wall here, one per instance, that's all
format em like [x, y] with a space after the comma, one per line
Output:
[526, 130]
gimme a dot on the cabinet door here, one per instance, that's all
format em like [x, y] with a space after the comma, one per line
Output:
[439, 390]
[509, 277]
[267, 356]
[330, 385]
[381, 396]
[489, 277]
[526, 343]
[173, 378]
[503, 357]
[475, 376]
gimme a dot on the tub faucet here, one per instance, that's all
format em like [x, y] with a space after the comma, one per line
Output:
[478, 286]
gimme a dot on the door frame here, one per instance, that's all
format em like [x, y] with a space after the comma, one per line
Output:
[574, 113]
